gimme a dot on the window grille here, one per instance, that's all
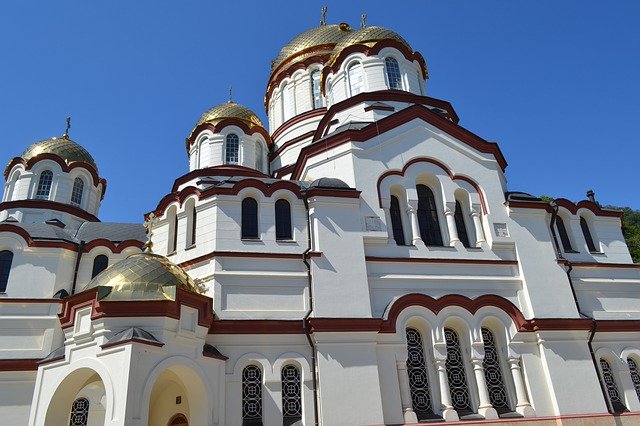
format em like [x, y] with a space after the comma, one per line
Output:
[76, 193]
[79, 412]
[259, 156]
[316, 93]
[460, 225]
[418, 376]
[393, 73]
[396, 221]
[6, 258]
[251, 396]
[356, 78]
[564, 236]
[635, 376]
[587, 235]
[232, 149]
[44, 185]
[249, 218]
[283, 220]
[612, 388]
[291, 395]
[493, 374]
[100, 263]
[428, 217]
[458, 387]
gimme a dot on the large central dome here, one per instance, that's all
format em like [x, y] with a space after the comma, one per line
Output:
[63, 147]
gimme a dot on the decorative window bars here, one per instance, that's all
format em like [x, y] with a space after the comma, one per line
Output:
[458, 387]
[493, 374]
[612, 388]
[291, 395]
[251, 395]
[418, 376]
[79, 412]
[635, 376]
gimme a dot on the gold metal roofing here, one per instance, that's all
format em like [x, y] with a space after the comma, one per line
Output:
[368, 36]
[318, 36]
[63, 147]
[229, 110]
[141, 276]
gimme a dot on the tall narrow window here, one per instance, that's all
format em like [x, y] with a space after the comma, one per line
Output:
[393, 73]
[259, 156]
[249, 218]
[612, 388]
[192, 224]
[283, 220]
[316, 93]
[418, 376]
[460, 226]
[635, 375]
[79, 412]
[493, 374]
[174, 246]
[44, 185]
[356, 78]
[291, 395]
[172, 225]
[251, 396]
[564, 236]
[458, 387]
[6, 258]
[396, 221]
[232, 149]
[76, 193]
[428, 217]
[100, 263]
[587, 235]
[287, 102]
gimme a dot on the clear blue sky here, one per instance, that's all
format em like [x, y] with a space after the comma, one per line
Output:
[555, 83]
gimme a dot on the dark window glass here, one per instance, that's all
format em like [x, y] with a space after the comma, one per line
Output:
[79, 412]
[428, 217]
[232, 149]
[100, 263]
[396, 221]
[283, 220]
[587, 234]
[393, 73]
[291, 395]
[194, 218]
[458, 387]
[612, 388]
[418, 376]
[249, 218]
[564, 237]
[174, 234]
[6, 257]
[460, 226]
[251, 396]
[76, 193]
[493, 374]
[44, 185]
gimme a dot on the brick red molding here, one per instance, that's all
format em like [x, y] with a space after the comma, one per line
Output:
[599, 264]
[254, 255]
[222, 170]
[596, 209]
[288, 143]
[217, 128]
[50, 205]
[284, 171]
[19, 364]
[441, 260]
[298, 119]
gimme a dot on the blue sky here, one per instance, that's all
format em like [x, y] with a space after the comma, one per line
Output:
[556, 84]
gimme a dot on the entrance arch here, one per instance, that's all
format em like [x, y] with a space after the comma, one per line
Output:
[81, 393]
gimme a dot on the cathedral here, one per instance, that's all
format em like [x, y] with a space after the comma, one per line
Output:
[356, 260]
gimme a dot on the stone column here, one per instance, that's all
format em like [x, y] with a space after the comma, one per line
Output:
[448, 412]
[449, 215]
[485, 408]
[405, 393]
[477, 224]
[522, 402]
[415, 227]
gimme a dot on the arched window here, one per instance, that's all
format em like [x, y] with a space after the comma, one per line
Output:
[291, 395]
[283, 220]
[79, 412]
[396, 221]
[635, 375]
[356, 78]
[287, 102]
[493, 374]
[76, 193]
[259, 156]
[612, 388]
[179, 420]
[172, 225]
[418, 376]
[251, 395]
[6, 258]
[316, 93]
[11, 186]
[193, 218]
[587, 235]
[564, 236]
[232, 149]
[428, 217]
[44, 185]
[460, 225]
[100, 263]
[393, 73]
[458, 387]
[249, 218]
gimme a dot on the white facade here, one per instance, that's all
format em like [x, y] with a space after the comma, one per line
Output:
[362, 263]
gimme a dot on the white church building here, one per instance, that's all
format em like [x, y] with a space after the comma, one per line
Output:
[357, 260]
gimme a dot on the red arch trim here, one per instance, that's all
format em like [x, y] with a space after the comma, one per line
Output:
[452, 175]
[217, 128]
[119, 248]
[596, 209]
[289, 71]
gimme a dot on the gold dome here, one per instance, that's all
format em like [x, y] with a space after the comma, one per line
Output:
[367, 36]
[63, 147]
[230, 110]
[142, 276]
[315, 37]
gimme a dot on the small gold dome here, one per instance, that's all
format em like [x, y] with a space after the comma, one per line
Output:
[63, 147]
[315, 37]
[229, 110]
[142, 276]
[367, 36]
